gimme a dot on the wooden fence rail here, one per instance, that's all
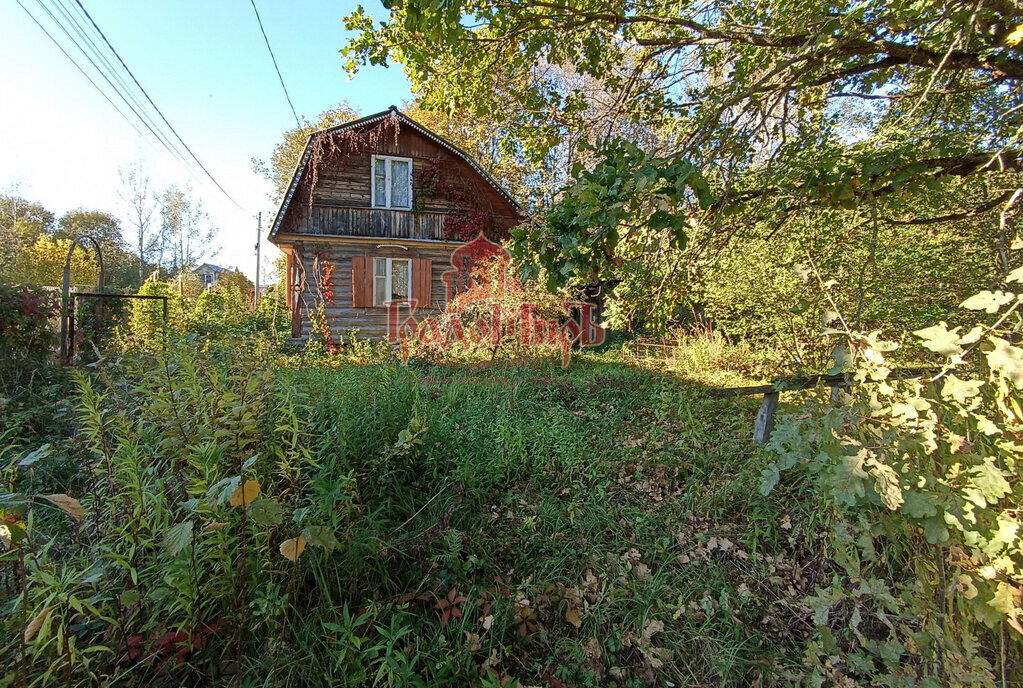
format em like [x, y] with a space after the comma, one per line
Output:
[765, 417]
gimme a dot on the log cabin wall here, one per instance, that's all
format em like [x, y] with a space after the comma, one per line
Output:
[370, 322]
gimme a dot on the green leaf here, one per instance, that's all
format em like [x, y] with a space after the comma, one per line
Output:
[990, 480]
[660, 219]
[30, 458]
[178, 538]
[266, 512]
[1007, 360]
[886, 482]
[939, 339]
[1003, 537]
[129, 598]
[842, 359]
[848, 480]
[769, 478]
[986, 426]
[961, 390]
[320, 536]
[988, 301]
[918, 504]
[935, 530]
[221, 491]
[1002, 601]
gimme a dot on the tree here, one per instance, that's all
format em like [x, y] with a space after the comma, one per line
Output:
[185, 233]
[142, 203]
[784, 122]
[286, 154]
[42, 264]
[21, 223]
[118, 263]
[238, 281]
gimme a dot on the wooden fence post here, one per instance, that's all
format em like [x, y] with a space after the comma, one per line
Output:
[765, 418]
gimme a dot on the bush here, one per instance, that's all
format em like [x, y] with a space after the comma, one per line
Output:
[27, 336]
[147, 325]
[926, 479]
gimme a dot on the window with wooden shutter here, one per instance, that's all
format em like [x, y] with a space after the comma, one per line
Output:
[362, 282]
[422, 282]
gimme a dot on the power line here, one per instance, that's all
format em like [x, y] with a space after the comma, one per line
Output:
[75, 22]
[108, 72]
[270, 50]
[164, 118]
[146, 122]
[79, 67]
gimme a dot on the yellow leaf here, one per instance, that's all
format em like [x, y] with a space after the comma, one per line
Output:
[69, 505]
[33, 626]
[214, 525]
[244, 495]
[1014, 38]
[292, 549]
[572, 616]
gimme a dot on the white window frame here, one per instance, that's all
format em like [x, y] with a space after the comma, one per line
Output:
[386, 201]
[388, 279]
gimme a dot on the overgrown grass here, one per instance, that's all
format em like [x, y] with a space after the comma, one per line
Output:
[598, 525]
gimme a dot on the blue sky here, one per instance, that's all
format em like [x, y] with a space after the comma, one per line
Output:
[205, 65]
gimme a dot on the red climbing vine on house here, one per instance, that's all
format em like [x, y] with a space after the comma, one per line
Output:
[466, 220]
[323, 278]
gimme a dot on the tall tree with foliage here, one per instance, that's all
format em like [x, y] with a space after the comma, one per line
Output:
[22, 222]
[768, 116]
[185, 234]
[118, 263]
[281, 165]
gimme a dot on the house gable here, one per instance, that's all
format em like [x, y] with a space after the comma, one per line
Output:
[333, 190]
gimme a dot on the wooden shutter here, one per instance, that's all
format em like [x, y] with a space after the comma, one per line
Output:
[422, 282]
[362, 282]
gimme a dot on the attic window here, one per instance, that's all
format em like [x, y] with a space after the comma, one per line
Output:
[392, 182]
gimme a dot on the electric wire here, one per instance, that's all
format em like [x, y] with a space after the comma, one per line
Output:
[155, 107]
[108, 71]
[266, 40]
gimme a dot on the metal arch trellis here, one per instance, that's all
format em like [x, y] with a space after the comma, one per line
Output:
[68, 300]
[66, 305]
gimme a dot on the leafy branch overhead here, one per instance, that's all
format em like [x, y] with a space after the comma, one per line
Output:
[901, 114]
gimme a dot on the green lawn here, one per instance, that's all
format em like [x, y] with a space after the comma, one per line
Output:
[463, 526]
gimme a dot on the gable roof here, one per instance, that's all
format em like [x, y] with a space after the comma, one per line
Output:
[213, 268]
[372, 119]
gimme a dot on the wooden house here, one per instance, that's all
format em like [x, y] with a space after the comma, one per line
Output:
[373, 213]
[210, 274]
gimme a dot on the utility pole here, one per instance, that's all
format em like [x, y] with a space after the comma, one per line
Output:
[259, 233]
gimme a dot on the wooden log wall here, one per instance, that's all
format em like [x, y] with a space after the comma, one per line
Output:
[371, 322]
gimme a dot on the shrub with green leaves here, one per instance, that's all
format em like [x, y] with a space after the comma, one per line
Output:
[926, 478]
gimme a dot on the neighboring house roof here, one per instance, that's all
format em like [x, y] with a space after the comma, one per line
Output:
[213, 268]
[371, 119]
